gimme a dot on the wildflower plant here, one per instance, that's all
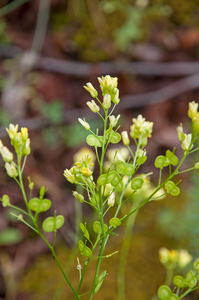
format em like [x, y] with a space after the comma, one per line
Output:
[115, 185]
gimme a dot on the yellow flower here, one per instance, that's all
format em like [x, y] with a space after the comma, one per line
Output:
[193, 109]
[24, 133]
[86, 172]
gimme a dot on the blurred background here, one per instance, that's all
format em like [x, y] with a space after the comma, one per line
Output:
[49, 49]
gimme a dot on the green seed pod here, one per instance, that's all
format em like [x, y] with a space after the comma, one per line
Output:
[164, 292]
[161, 162]
[94, 141]
[84, 230]
[111, 175]
[191, 279]
[172, 189]
[103, 179]
[141, 160]
[5, 200]
[172, 158]
[119, 187]
[53, 223]
[179, 281]
[196, 265]
[115, 137]
[137, 183]
[97, 227]
[129, 170]
[39, 205]
[84, 249]
[99, 281]
[115, 222]
[115, 180]
[120, 167]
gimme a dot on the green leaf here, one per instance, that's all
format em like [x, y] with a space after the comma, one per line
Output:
[84, 249]
[84, 230]
[115, 222]
[39, 205]
[172, 158]
[137, 183]
[53, 223]
[94, 141]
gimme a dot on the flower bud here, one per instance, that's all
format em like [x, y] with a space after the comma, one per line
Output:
[184, 258]
[196, 166]
[125, 138]
[186, 143]
[5, 200]
[195, 121]
[89, 87]
[12, 131]
[26, 149]
[24, 133]
[84, 124]
[113, 120]
[196, 265]
[11, 169]
[111, 199]
[69, 176]
[86, 172]
[181, 135]
[116, 98]
[93, 106]
[193, 108]
[107, 101]
[6, 154]
[78, 196]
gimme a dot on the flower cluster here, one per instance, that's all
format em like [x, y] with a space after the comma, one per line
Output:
[141, 129]
[173, 258]
[81, 171]
[19, 140]
[21, 143]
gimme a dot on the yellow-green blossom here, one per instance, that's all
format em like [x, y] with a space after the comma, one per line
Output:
[125, 138]
[11, 169]
[90, 88]
[93, 106]
[12, 131]
[193, 109]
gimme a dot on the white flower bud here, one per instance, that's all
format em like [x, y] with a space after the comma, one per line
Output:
[93, 106]
[11, 169]
[107, 101]
[186, 142]
[111, 199]
[89, 87]
[6, 154]
[125, 138]
[113, 120]
[193, 108]
[84, 124]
